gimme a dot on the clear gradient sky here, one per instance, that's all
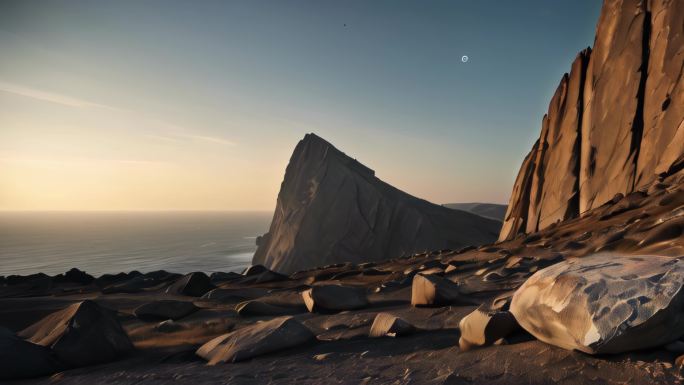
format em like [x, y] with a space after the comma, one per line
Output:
[197, 105]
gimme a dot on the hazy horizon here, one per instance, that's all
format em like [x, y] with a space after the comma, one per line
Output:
[170, 106]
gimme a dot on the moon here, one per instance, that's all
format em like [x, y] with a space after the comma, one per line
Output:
[464, 58]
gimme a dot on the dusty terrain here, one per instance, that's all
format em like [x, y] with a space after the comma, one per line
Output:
[646, 222]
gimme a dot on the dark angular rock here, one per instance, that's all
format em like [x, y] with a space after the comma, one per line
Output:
[21, 359]
[193, 284]
[82, 334]
[328, 298]
[432, 290]
[484, 327]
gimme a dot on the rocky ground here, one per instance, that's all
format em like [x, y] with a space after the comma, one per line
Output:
[339, 349]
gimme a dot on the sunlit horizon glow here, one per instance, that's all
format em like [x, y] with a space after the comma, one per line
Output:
[148, 106]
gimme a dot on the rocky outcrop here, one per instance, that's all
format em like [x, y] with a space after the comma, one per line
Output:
[193, 284]
[82, 334]
[604, 304]
[615, 123]
[333, 209]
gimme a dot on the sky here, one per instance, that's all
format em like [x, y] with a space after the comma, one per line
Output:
[158, 105]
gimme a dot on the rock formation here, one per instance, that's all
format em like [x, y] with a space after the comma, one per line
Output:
[333, 209]
[615, 123]
[388, 325]
[334, 298]
[484, 327]
[82, 334]
[193, 284]
[604, 304]
[265, 337]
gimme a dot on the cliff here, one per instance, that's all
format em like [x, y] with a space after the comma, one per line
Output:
[333, 209]
[615, 122]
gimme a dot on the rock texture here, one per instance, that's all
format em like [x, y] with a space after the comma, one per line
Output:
[22, 359]
[265, 337]
[484, 327]
[82, 334]
[333, 209]
[334, 298]
[193, 284]
[604, 304]
[432, 290]
[388, 325]
[615, 123]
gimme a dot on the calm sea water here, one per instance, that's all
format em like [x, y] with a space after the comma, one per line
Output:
[112, 242]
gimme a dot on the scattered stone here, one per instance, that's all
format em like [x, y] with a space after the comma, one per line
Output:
[164, 309]
[334, 298]
[22, 359]
[82, 334]
[432, 290]
[389, 325]
[484, 327]
[193, 284]
[255, 340]
[604, 304]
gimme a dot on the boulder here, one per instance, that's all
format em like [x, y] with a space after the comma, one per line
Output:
[484, 327]
[332, 209]
[193, 284]
[389, 325]
[259, 308]
[254, 270]
[82, 334]
[325, 298]
[255, 340]
[432, 290]
[22, 359]
[74, 276]
[164, 310]
[604, 303]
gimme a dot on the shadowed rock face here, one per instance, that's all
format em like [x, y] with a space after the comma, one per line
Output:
[615, 122]
[82, 334]
[333, 209]
[604, 304]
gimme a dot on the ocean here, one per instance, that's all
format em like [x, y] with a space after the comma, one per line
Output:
[112, 242]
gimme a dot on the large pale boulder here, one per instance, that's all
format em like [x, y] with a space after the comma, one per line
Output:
[255, 340]
[22, 359]
[334, 298]
[82, 334]
[604, 303]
